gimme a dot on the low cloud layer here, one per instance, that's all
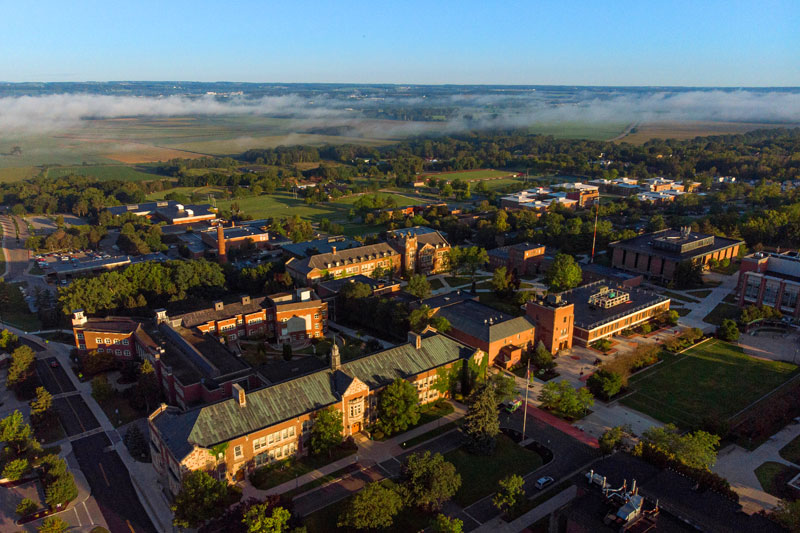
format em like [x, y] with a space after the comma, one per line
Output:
[52, 113]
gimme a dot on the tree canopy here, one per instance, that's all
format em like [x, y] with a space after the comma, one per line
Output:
[374, 507]
[398, 407]
[429, 481]
[564, 273]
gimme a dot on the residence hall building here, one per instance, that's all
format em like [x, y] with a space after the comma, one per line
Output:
[123, 337]
[283, 317]
[591, 312]
[422, 250]
[344, 263]
[250, 429]
[771, 279]
[583, 193]
[655, 255]
[501, 336]
[235, 237]
[520, 259]
[169, 211]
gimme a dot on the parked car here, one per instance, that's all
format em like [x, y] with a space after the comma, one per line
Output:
[542, 482]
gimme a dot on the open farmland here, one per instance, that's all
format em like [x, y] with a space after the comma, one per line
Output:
[104, 172]
[470, 175]
[593, 131]
[687, 130]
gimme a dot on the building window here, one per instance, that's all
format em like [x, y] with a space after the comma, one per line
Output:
[118, 352]
[307, 426]
[100, 350]
[261, 459]
[356, 408]
[108, 341]
[127, 353]
[80, 335]
[237, 452]
[259, 443]
[125, 342]
[285, 434]
[316, 315]
[98, 340]
[82, 346]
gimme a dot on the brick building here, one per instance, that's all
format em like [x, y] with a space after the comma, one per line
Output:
[284, 317]
[501, 336]
[169, 211]
[422, 250]
[523, 259]
[655, 255]
[232, 437]
[592, 312]
[122, 336]
[344, 263]
[771, 279]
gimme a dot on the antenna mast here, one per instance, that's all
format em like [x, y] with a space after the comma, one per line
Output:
[594, 237]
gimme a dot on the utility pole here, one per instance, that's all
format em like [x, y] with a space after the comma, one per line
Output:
[527, 386]
[594, 237]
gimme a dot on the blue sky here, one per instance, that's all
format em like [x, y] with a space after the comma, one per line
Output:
[621, 42]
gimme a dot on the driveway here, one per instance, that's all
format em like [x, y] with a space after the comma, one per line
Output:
[111, 485]
[54, 379]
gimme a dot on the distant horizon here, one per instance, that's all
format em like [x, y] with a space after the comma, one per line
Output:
[402, 84]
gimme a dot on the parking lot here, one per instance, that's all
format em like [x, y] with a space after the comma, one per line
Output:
[74, 415]
[53, 376]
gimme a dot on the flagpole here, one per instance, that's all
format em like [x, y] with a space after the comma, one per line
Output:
[527, 386]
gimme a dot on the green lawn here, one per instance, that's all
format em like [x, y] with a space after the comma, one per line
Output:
[336, 474]
[119, 411]
[713, 379]
[441, 430]
[721, 312]
[774, 478]
[104, 172]
[702, 293]
[15, 309]
[435, 284]
[791, 452]
[429, 413]
[278, 473]
[480, 475]
[470, 175]
[682, 311]
[681, 297]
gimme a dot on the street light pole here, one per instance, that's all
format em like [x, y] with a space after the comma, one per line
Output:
[527, 386]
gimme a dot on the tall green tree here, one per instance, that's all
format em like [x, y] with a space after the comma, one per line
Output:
[468, 260]
[326, 433]
[611, 439]
[510, 493]
[565, 401]
[482, 423]
[21, 366]
[501, 282]
[17, 435]
[564, 273]
[728, 330]
[200, 499]
[429, 481]
[418, 286]
[147, 384]
[42, 403]
[398, 407]
[697, 449]
[256, 519]
[53, 524]
[372, 508]
[604, 383]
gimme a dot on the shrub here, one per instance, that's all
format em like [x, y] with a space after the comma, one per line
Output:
[728, 331]
[643, 356]
[26, 507]
[16, 469]
[603, 345]
[644, 329]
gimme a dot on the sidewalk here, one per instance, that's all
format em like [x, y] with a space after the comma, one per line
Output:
[353, 333]
[369, 452]
[553, 504]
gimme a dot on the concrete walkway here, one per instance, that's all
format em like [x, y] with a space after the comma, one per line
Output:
[353, 333]
[369, 453]
[699, 310]
[738, 466]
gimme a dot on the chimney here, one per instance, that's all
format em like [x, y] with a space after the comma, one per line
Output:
[222, 255]
[218, 305]
[336, 359]
[333, 250]
[238, 393]
[78, 317]
[245, 299]
[415, 339]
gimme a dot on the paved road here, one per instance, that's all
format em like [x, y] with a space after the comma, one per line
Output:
[55, 380]
[111, 485]
[74, 415]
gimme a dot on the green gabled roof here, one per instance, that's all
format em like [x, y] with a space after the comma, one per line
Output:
[226, 420]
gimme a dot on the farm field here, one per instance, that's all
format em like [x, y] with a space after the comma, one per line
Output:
[715, 379]
[688, 130]
[17, 173]
[217, 192]
[104, 172]
[593, 131]
[242, 144]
